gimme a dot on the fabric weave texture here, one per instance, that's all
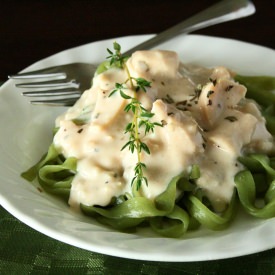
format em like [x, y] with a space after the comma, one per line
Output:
[26, 251]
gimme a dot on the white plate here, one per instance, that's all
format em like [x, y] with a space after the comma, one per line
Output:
[26, 134]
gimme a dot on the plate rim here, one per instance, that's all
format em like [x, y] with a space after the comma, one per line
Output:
[6, 204]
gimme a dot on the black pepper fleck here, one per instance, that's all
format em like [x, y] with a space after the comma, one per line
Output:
[228, 88]
[214, 81]
[209, 93]
[168, 99]
[163, 122]
[231, 118]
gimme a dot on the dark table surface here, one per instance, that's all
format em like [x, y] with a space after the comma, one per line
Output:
[34, 29]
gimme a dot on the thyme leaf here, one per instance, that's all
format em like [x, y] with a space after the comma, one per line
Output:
[115, 56]
[142, 84]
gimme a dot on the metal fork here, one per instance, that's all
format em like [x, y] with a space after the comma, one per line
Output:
[63, 86]
[65, 83]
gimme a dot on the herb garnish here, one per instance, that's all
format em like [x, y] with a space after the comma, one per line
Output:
[231, 118]
[168, 99]
[209, 93]
[141, 116]
[197, 93]
[228, 88]
[214, 81]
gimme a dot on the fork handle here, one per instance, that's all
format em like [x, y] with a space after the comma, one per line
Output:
[218, 13]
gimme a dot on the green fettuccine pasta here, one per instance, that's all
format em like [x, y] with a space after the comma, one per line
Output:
[180, 207]
[247, 189]
[53, 172]
[136, 210]
[165, 215]
[209, 218]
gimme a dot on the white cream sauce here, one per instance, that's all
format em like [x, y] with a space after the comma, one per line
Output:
[211, 128]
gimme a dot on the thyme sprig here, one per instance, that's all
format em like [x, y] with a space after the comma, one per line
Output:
[116, 56]
[141, 116]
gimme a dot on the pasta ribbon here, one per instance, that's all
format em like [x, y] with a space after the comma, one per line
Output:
[163, 215]
[246, 184]
[260, 88]
[207, 217]
[54, 173]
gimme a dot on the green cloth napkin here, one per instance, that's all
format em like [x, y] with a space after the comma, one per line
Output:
[26, 251]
